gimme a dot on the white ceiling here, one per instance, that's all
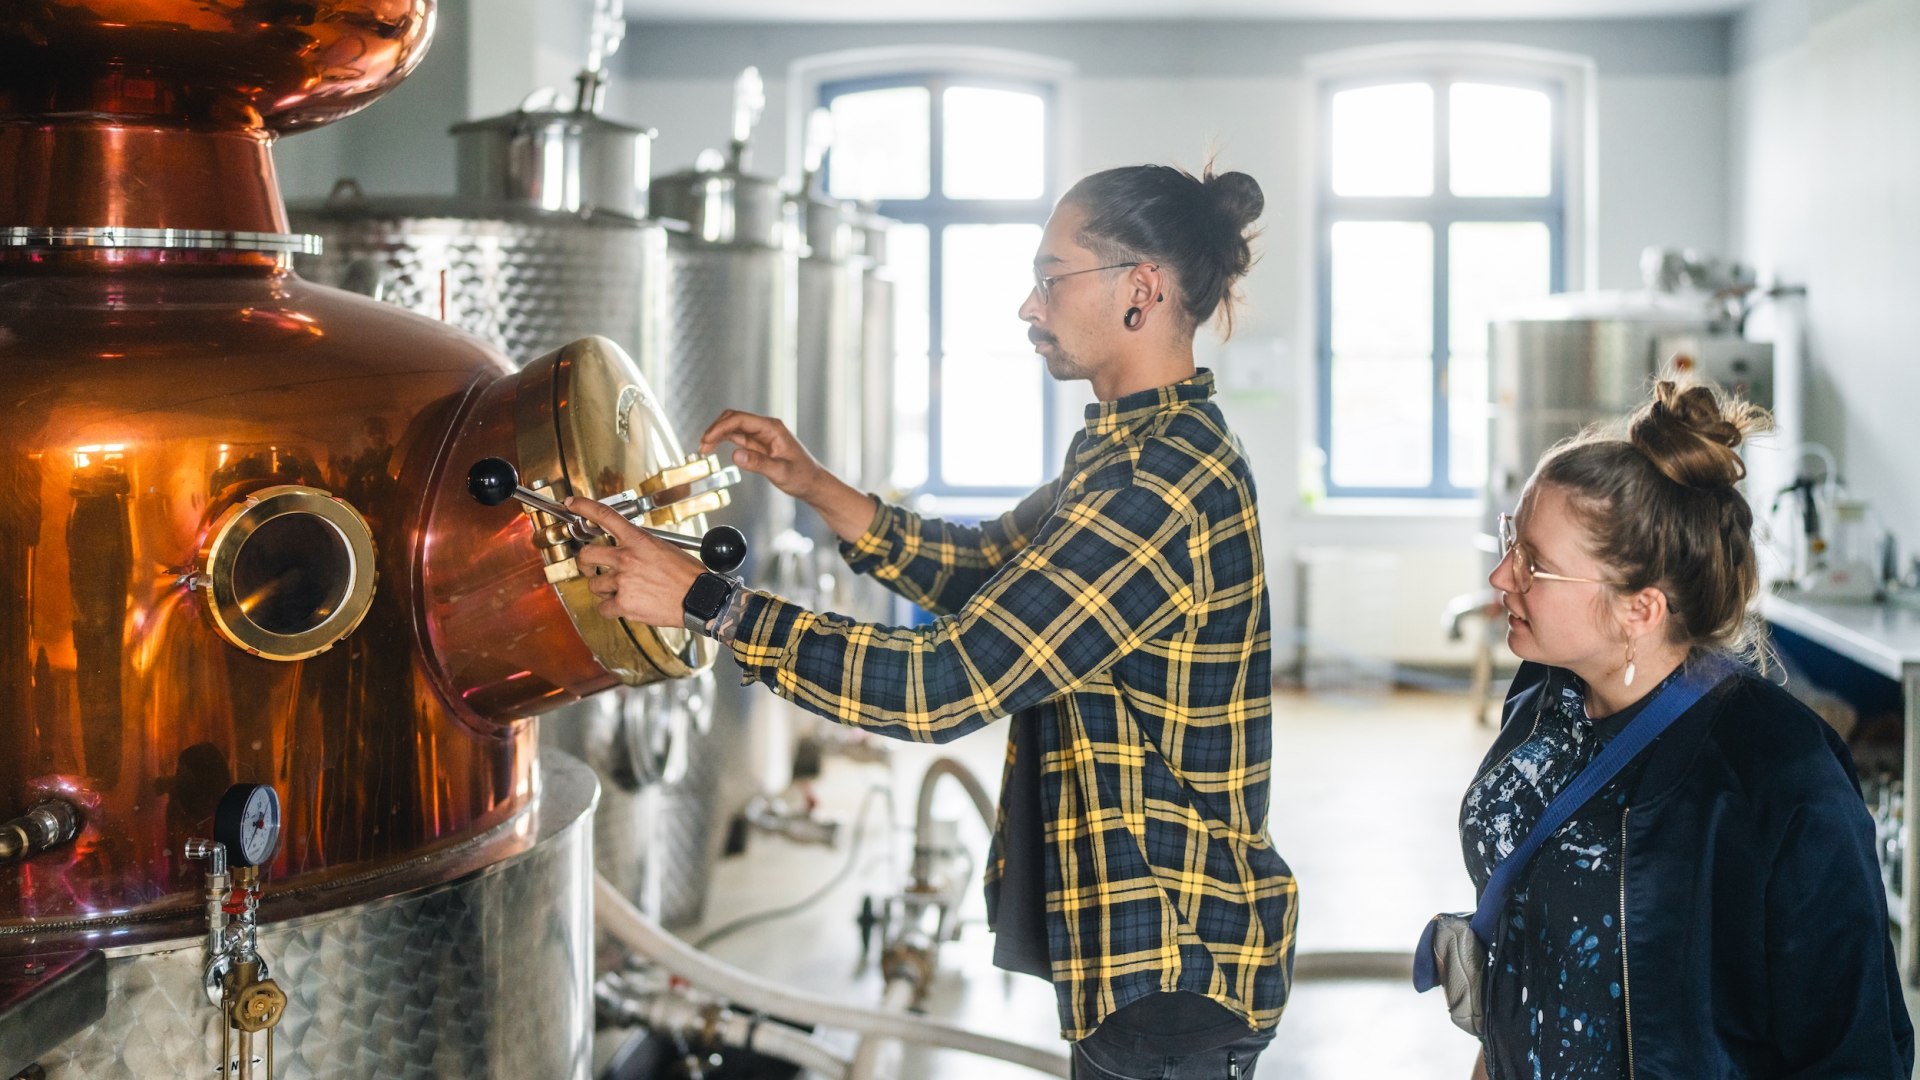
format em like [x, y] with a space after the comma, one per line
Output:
[894, 11]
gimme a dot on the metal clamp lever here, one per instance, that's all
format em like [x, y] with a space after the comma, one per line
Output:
[493, 481]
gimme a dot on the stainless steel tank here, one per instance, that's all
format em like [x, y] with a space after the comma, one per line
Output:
[527, 258]
[1578, 359]
[733, 272]
[871, 468]
[545, 242]
[829, 402]
[830, 340]
[877, 350]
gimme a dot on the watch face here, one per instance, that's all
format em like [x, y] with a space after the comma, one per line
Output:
[248, 823]
[705, 598]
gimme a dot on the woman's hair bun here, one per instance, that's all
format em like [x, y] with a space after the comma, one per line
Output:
[1692, 433]
[1237, 196]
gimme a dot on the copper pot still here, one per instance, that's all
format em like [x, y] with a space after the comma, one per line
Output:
[235, 540]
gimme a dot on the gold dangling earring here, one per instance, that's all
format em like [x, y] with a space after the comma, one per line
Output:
[1629, 672]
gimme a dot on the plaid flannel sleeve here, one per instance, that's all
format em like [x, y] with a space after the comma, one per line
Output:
[938, 564]
[1108, 572]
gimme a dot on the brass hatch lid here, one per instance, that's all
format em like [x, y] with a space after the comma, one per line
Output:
[588, 424]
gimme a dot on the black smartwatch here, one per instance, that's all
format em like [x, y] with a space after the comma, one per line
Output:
[706, 600]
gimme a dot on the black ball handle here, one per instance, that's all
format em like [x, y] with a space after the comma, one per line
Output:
[493, 481]
[723, 549]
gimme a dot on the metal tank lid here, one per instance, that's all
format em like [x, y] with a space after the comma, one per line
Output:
[721, 203]
[554, 159]
[1622, 305]
[830, 227]
[725, 207]
[523, 118]
[349, 204]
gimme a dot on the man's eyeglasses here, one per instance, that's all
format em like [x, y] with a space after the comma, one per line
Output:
[1524, 572]
[1044, 285]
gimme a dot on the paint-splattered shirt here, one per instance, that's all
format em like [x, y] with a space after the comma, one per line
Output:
[1554, 996]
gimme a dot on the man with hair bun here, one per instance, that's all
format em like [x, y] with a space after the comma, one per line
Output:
[1715, 909]
[1119, 615]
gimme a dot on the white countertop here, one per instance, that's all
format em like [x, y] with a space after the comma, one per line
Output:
[1884, 637]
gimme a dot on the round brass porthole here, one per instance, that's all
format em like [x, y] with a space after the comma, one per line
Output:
[287, 572]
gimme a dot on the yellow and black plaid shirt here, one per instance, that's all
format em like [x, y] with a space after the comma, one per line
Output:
[1123, 608]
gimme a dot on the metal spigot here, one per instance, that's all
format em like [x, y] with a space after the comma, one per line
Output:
[46, 825]
[235, 976]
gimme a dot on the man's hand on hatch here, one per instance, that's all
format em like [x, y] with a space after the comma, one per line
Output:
[639, 577]
[768, 447]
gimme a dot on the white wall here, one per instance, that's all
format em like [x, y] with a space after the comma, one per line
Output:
[1825, 184]
[1172, 92]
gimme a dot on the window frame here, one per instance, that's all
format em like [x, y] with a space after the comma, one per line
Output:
[936, 212]
[1439, 211]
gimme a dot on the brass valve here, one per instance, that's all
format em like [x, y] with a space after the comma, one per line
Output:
[252, 1003]
[236, 977]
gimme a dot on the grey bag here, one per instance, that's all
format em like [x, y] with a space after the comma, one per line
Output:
[1460, 962]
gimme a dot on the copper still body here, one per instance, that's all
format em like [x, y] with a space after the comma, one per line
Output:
[236, 545]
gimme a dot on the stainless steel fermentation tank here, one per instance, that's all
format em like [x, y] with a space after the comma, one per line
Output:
[833, 405]
[733, 271]
[237, 548]
[845, 401]
[878, 433]
[547, 240]
[1577, 359]
[830, 340]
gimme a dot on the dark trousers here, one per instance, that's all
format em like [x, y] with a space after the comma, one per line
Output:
[1096, 1060]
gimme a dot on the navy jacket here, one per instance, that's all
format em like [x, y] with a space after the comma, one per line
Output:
[1757, 941]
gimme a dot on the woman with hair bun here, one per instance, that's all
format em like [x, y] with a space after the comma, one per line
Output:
[1714, 909]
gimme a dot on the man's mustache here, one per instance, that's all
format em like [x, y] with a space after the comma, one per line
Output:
[1039, 336]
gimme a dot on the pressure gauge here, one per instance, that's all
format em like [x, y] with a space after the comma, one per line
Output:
[248, 823]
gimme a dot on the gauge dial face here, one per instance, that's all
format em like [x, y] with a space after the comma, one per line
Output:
[248, 823]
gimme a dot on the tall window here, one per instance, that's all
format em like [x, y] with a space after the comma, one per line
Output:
[1442, 200]
[962, 164]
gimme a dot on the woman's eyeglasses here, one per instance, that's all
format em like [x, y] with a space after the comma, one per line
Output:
[1524, 572]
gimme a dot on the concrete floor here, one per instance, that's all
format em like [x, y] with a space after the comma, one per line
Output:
[1366, 790]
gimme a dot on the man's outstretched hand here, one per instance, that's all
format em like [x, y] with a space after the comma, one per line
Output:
[639, 577]
[765, 445]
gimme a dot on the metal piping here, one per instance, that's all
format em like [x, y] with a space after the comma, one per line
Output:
[634, 929]
[713, 1024]
[877, 1052]
[49, 824]
[923, 849]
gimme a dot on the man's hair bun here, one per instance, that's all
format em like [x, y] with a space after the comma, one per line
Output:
[1237, 196]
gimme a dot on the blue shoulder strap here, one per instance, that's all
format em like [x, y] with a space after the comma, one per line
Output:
[1695, 680]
